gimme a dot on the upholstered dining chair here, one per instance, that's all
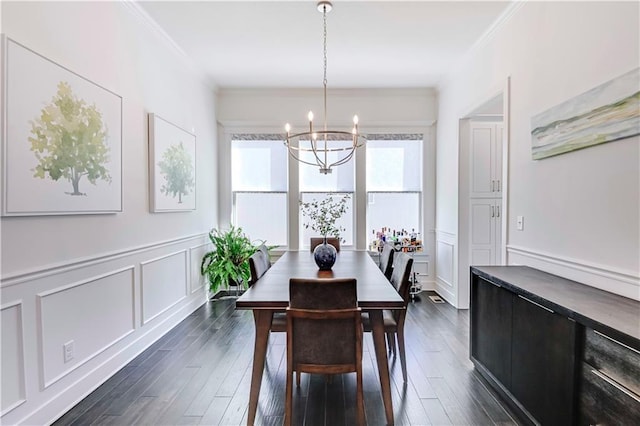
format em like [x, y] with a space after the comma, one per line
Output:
[266, 257]
[324, 334]
[386, 260]
[258, 267]
[316, 241]
[394, 319]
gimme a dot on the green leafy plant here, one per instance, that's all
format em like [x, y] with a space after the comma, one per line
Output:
[69, 140]
[177, 168]
[324, 214]
[227, 264]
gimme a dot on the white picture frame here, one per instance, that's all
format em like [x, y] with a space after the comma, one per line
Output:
[56, 162]
[172, 167]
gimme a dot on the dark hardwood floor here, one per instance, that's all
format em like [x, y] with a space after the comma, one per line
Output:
[200, 372]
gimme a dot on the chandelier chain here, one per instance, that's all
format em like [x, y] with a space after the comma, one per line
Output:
[313, 147]
[324, 80]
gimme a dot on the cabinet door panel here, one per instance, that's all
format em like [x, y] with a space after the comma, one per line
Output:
[604, 402]
[491, 328]
[485, 231]
[543, 351]
[482, 159]
[613, 358]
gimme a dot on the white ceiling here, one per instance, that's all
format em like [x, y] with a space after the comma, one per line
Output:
[371, 44]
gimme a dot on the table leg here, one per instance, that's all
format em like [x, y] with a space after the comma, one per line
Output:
[377, 328]
[263, 326]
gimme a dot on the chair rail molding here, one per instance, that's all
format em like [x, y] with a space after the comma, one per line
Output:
[78, 263]
[615, 280]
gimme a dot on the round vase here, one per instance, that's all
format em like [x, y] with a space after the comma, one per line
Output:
[325, 256]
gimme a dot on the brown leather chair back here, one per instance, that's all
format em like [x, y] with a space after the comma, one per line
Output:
[316, 241]
[401, 276]
[257, 266]
[386, 260]
[326, 340]
[265, 255]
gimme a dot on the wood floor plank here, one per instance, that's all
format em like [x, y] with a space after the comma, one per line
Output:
[214, 413]
[165, 392]
[334, 409]
[200, 373]
[116, 397]
[95, 397]
[435, 412]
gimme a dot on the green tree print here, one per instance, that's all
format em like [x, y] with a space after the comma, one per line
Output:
[69, 140]
[177, 170]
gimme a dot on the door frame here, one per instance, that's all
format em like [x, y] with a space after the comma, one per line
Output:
[464, 230]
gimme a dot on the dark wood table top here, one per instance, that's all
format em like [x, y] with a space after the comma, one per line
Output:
[271, 291]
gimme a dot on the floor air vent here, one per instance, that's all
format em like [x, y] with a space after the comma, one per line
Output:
[436, 299]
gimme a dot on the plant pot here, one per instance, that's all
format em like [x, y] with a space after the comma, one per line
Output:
[325, 256]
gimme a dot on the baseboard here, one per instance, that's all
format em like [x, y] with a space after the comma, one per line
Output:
[50, 411]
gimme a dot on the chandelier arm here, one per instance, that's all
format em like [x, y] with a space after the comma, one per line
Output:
[344, 160]
[303, 161]
[314, 149]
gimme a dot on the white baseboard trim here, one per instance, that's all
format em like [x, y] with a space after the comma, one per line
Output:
[47, 413]
[444, 290]
[622, 282]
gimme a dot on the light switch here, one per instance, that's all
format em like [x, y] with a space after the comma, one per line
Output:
[520, 223]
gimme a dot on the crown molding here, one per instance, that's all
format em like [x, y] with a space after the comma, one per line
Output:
[487, 36]
[145, 19]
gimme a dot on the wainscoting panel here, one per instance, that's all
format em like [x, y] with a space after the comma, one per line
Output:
[444, 253]
[94, 305]
[196, 253]
[88, 317]
[163, 284]
[445, 266]
[12, 366]
[624, 283]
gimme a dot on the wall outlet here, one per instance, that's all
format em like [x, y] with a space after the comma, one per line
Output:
[68, 351]
[520, 223]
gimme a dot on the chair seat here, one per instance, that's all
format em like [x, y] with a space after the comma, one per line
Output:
[279, 322]
[389, 321]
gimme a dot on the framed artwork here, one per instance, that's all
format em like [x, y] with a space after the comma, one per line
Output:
[61, 139]
[606, 113]
[172, 167]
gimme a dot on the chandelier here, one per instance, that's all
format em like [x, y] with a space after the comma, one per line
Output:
[322, 143]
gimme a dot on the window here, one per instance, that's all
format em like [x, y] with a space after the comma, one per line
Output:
[314, 185]
[391, 174]
[259, 184]
[394, 186]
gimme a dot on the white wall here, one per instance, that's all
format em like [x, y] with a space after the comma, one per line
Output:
[111, 283]
[580, 209]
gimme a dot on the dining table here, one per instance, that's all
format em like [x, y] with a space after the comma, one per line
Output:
[270, 294]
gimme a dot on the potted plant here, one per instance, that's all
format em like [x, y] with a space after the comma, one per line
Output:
[322, 217]
[227, 264]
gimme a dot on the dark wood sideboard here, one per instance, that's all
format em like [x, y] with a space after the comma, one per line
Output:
[558, 352]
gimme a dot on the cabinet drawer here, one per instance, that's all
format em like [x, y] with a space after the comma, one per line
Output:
[602, 401]
[615, 359]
